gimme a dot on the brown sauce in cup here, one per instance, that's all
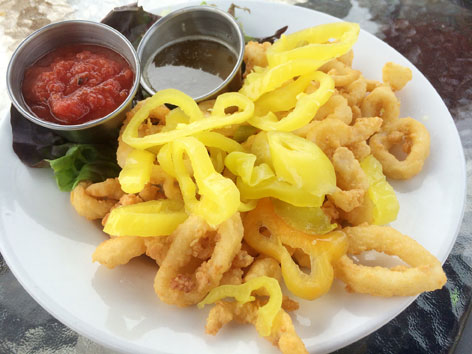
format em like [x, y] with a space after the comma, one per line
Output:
[195, 66]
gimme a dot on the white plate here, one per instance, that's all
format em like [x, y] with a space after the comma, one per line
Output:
[48, 246]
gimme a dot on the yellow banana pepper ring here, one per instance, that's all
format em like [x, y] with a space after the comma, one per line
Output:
[217, 140]
[283, 98]
[218, 146]
[322, 42]
[263, 80]
[247, 206]
[217, 143]
[242, 164]
[301, 162]
[197, 122]
[297, 172]
[309, 220]
[305, 109]
[176, 117]
[152, 218]
[322, 250]
[219, 197]
[164, 157]
[242, 294]
[137, 171]
[280, 190]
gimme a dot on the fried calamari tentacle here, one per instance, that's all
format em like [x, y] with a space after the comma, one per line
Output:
[169, 184]
[349, 174]
[342, 74]
[157, 247]
[118, 250]
[172, 285]
[373, 84]
[351, 180]
[336, 108]
[151, 192]
[255, 55]
[90, 207]
[110, 188]
[383, 103]
[355, 91]
[234, 276]
[424, 274]
[330, 134]
[347, 200]
[264, 266]
[242, 259]
[414, 139]
[395, 75]
[360, 149]
[282, 334]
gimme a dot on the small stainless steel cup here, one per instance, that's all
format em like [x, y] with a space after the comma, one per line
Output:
[195, 21]
[55, 35]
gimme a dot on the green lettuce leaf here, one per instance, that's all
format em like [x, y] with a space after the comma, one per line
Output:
[84, 162]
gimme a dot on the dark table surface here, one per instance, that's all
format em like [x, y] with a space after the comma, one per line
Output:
[436, 36]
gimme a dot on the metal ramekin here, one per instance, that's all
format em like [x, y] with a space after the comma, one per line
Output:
[195, 21]
[57, 34]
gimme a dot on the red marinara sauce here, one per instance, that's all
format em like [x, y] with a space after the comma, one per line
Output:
[77, 83]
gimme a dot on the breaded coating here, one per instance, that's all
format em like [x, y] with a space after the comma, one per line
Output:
[157, 247]
[87, 206]
[347, 200]
[349, 174]
[395, 75]
[264, 266]
[330, 134]
[255, 55]
[282, 334]
[118, 250]
[110, 188]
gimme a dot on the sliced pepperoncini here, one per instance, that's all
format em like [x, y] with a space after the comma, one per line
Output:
[152, 218]
[197, 122]
[322, 250]
[380, 192]
[242, 294]
[219, 197]
[305, 108]
[137, 171]
[263, 80]
[322, 42]
[294, 170]
[310, 220]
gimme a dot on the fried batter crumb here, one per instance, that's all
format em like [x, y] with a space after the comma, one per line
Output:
[282, 334]
[183, 282]
[289, 305]
[242, 259]
[129, 199]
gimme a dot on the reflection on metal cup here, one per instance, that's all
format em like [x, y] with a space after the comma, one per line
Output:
[194, 23]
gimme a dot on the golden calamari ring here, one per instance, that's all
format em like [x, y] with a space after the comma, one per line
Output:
[424, 274]
[176, 282]
[414, 138]
[383, 103]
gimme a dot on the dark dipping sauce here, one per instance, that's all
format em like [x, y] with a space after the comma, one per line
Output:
[77, 83]
[195, 66]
